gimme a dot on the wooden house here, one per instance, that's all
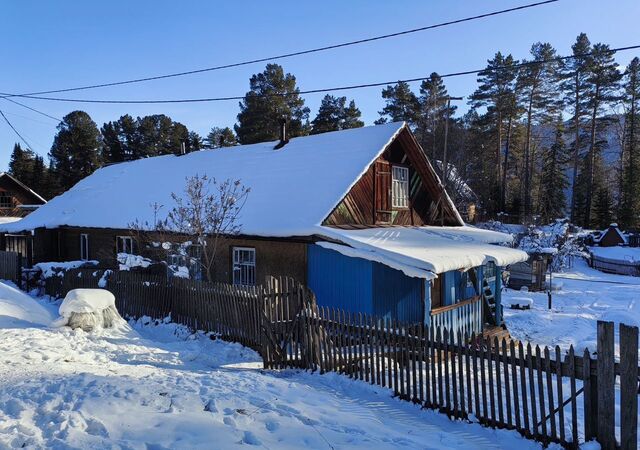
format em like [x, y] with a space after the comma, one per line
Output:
[359, 215]
[611, 237]
[16, 201]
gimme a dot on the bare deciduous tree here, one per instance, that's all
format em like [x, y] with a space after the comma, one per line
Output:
[209, 211]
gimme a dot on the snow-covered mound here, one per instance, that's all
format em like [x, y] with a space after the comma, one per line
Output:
[89, 309]
[18, 310]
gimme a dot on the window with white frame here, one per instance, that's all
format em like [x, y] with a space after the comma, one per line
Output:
[400, 187]
[84, 247]
[244, 266]
[124, 244]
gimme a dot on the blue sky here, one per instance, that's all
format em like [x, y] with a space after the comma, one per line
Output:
[51, 45]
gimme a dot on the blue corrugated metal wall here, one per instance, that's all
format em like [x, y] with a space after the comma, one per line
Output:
[358, 285]
[396, 295]
[340, 281]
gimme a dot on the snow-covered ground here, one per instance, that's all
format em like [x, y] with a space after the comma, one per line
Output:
[157, 387]
[585, 296]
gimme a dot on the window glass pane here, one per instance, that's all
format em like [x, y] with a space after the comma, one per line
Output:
[244, 266]
[400, 187]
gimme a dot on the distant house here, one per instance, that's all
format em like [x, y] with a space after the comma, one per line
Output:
[16, 201]
[611, 237]
[359, 215]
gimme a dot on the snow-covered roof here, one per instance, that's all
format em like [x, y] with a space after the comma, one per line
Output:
[9, 219]
[614, 227]
[293, 189]
[424, 251]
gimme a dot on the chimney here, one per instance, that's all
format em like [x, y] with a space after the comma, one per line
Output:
[283, 134]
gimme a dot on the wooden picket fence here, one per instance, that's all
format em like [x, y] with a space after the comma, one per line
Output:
[235, 313]
[544, 393]
[11, 267]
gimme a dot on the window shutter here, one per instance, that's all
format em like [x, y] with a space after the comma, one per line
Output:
[383, 191]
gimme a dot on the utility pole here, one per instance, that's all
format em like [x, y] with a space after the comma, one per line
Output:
[445, 164]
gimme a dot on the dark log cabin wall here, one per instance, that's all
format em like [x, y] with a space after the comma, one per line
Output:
[369, 202]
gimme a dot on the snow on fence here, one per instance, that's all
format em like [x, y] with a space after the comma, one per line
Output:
[543, 393]
[616, 266]
[11, 267]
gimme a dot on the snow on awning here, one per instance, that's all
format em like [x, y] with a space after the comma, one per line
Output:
[424, 251]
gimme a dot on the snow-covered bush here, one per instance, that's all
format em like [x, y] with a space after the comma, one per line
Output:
[553, 239]
[89, 309]
[127, 261]
[57, 269]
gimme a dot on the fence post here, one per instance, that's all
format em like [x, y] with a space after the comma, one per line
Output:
[628, 387]
[605, 386]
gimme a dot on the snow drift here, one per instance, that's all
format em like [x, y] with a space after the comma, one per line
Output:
[18, 310]
[89, 309]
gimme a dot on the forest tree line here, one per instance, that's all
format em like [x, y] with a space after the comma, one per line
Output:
[543, 138]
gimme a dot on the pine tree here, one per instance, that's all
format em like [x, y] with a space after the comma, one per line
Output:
[629, 214]
[220, 137]
[602, 84]
[352, 117]
[75, 152]
[431, 115]
[120, 139]
[273, 95]
[400, 104]
[334, 115]
[574, 85]
[602, 208]
[553, 180]
[21, 164]
[496, 92]
[537, 85]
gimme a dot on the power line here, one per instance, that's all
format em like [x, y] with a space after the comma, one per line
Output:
[32, 109]
[298, 53]
[15, 131]
[322, 90]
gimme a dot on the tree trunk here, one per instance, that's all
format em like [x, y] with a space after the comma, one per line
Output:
[591, 160]
[503, 185]
[576, 149]
[498, 158]
[527, 149]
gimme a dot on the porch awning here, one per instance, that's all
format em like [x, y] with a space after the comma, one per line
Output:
[424, 252]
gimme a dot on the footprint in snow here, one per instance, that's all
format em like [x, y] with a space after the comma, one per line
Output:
[251, 439]
[229, 422]
[272, 425]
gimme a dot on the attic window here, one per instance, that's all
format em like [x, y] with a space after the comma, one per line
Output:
[400, 187]
[6, 200]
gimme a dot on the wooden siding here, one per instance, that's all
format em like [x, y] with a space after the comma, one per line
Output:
[277, 257]
[369, 200]
[20, 196]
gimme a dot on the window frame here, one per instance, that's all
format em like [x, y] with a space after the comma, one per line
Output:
[84, 247]
[9, 198]
[237, 265]
[400, 186]
[124, 239]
